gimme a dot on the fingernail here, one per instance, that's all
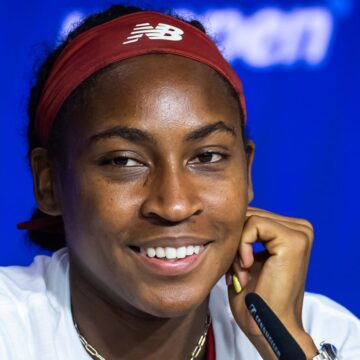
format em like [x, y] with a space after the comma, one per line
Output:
[236, 283]
[241, 263]
[228, 278]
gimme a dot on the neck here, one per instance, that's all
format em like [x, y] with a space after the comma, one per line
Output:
[118, 331]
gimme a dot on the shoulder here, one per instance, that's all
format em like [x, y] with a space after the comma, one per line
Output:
[317, 305]
[35, 304]
[326, 320]
[21, 283]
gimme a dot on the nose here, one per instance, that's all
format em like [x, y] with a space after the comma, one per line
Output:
[172, 197]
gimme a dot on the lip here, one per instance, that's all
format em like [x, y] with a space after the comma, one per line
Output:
[176, 267]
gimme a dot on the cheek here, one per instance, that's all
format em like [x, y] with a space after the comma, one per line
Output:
[98, 217]
[100, 209]
[226, 205]
[227, 200]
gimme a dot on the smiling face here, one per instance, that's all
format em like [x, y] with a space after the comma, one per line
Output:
[155, 160]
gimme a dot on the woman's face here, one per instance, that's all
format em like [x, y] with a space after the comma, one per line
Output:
[155, 160]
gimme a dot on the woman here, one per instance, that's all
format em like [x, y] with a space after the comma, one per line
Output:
[142, 165]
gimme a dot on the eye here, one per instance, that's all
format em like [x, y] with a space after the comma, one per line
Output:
[208, 157]
[121, 161]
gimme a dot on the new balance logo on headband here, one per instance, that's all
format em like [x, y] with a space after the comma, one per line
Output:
[160, 32]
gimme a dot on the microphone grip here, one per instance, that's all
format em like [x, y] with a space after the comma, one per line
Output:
[282, 343]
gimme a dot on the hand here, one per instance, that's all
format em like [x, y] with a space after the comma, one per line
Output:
[277, 274]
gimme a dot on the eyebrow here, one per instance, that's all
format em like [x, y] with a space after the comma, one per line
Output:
[126, 133]
[140, 136]
[208, 130]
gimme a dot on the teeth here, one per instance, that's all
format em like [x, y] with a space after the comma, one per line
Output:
[150, 252]
[189, 250]
[171, 253]
[160, 252]
[181, 252]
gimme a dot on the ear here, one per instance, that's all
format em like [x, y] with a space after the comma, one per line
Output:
[43, 178]
[250, 153]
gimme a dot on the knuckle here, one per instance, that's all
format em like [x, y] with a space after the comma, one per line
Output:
[307, 223]
[308, 229]
[252, 219]
[301, 244]
[255, 218]
[310, 235]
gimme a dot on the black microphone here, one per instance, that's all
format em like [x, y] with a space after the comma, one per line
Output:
[282, 343]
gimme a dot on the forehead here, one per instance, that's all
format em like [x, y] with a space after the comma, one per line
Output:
[162, 67]
[158, 87]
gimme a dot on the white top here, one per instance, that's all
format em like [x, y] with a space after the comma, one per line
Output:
[36, 321]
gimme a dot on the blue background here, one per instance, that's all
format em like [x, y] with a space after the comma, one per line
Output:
[303, 114]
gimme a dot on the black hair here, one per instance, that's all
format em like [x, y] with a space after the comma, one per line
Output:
[56, 240]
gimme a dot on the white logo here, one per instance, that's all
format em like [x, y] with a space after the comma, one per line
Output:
[160, 32]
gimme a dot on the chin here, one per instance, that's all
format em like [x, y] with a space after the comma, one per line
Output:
[174, 302]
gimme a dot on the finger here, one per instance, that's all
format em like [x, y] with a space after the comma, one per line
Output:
[241, 273]
[258, 229]
[295, 226]
[261, 212]
[275, 237]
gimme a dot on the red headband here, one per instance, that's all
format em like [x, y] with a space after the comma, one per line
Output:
[124, 37]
